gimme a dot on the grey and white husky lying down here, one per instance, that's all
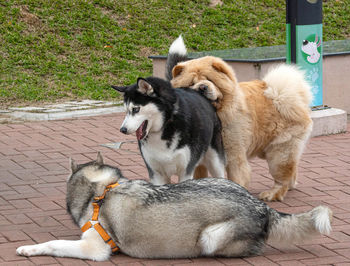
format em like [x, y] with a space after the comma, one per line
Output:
[204, 217]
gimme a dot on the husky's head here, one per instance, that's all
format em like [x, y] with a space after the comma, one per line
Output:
[146, 103]
[95, 172]
[86, 181]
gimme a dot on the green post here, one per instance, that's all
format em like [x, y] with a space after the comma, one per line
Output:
[304, 41]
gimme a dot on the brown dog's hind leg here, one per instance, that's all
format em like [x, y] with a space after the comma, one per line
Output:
[200, 172]
[282, 161]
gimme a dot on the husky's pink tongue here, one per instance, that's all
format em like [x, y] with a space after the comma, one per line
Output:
[141, 131]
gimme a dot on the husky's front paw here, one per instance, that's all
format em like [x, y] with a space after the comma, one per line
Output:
[29, 250]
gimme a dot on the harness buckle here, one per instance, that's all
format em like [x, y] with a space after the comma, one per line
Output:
[98, 201]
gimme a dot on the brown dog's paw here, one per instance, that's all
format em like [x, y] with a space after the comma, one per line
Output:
[274, 194]
[270, 196]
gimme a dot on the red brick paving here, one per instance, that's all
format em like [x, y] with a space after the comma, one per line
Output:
[34, 166]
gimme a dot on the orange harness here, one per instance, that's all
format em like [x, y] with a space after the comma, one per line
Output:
[94, 220]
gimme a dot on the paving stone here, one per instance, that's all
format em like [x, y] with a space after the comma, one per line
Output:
[196, 261]
[325, 260]
[17, 263]
[45, 205]
[15, 235]
[71, 262]
[18, 219]
[233, 261]
[43, 260]
[344, 252]
[34, 167]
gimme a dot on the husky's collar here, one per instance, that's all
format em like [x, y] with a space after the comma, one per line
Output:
[97, 203]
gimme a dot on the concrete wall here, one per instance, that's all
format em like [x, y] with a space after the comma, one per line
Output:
[336, 81]
[336, 77]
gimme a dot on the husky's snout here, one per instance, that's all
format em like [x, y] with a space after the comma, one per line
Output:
[124, 130]
[141, 130]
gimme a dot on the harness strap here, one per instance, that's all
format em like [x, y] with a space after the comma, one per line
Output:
[106, 237]
[96, 206]
[97, 226]
[102, 232]
[86, 226]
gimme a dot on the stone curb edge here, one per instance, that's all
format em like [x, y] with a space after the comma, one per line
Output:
[30, 116]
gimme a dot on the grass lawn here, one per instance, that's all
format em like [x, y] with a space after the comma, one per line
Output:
[54, 50]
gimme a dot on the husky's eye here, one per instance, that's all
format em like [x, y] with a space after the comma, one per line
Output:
[135, 110]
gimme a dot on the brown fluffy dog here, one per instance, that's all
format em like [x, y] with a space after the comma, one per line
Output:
[268, 118]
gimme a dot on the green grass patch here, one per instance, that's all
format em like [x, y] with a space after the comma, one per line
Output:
[65, 49]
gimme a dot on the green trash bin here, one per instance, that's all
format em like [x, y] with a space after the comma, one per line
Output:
[304, 42]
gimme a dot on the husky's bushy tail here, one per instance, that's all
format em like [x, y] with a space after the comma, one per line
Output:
[177, 53]
[289, 91]
[294, 228]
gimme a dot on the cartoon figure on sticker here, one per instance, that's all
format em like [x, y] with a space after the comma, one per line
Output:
[312, 50]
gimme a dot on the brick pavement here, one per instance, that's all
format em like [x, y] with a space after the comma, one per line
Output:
[34, 166]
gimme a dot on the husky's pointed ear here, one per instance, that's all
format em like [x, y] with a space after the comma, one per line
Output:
[144, 87]
[177, 70]
[99, 159]
[121, 89]
[73, 165]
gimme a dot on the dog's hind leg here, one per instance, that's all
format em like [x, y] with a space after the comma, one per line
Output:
[214, 163]
[215, 237]
[229, 239]
[282, 160]
[92, 248]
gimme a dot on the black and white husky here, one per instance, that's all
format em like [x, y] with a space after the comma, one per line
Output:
[177, 129]
[204, 217]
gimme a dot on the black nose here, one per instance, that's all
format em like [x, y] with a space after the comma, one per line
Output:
[203, 87]
[123, 130]
[305, 42]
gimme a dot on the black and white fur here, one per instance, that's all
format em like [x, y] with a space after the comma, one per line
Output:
[177, 53]
[177, 129]
[204, 217]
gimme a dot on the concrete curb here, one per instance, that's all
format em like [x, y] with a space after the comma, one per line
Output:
[65, 114]
[70, 109]
[328, 121]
